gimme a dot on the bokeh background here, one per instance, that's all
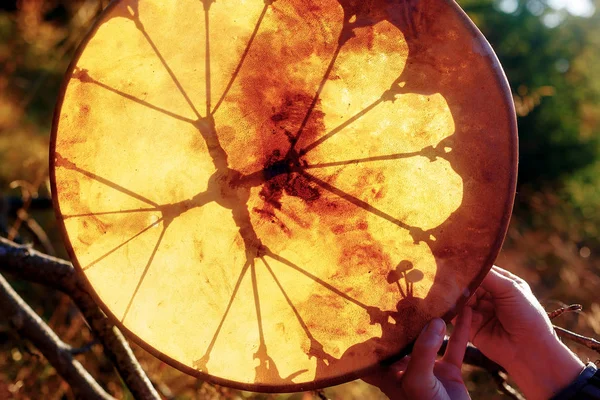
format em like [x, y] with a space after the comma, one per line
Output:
[550, 50]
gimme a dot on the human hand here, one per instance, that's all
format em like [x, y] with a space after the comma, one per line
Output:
[510, 326]
[420, 376]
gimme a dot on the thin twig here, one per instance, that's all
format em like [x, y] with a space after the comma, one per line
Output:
[28, 192]
[31, 327]
[562, 310]
[588, 342]
[33, 266]
[39, 233]
[505, 387]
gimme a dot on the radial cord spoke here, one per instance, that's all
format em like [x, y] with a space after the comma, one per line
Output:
[242, 59]
[342, 126]
[95, 214]
[84, 77]
[207, 58]
[201, 364]
[356, 201]
[96, 261]
[65, 163]
[167, 68]
[289, 301]
[160, 238]
[261, 335]
[317, 95]
[316, 279]
[363, 160]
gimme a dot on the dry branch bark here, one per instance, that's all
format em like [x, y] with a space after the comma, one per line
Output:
[31, 265]
[31, 327]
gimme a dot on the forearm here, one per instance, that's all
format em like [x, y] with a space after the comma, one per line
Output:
[543, 374]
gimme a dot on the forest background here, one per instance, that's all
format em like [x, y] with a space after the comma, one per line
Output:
[550, 50]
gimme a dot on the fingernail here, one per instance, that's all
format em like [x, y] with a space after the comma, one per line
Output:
[436, 327]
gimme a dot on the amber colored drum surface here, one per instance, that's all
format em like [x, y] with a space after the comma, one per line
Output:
[278, 195]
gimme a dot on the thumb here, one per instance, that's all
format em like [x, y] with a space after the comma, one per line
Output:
[418, 380]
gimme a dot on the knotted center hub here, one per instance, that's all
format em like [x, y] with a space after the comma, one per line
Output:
[284, 174]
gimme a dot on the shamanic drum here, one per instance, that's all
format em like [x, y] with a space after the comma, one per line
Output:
[278, 195]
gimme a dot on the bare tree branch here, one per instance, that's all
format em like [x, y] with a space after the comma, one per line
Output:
[31, 265]
[30, 326]
[39, 233]
[588, 342]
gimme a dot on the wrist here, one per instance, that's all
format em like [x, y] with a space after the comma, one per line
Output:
[587, 385]
[545, 372]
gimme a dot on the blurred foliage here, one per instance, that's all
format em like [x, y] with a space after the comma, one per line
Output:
[552, 75]
[551, 59]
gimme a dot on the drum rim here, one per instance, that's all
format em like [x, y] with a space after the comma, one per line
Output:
[501, 81]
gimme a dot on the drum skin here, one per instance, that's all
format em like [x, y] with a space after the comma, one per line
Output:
[278, 196]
